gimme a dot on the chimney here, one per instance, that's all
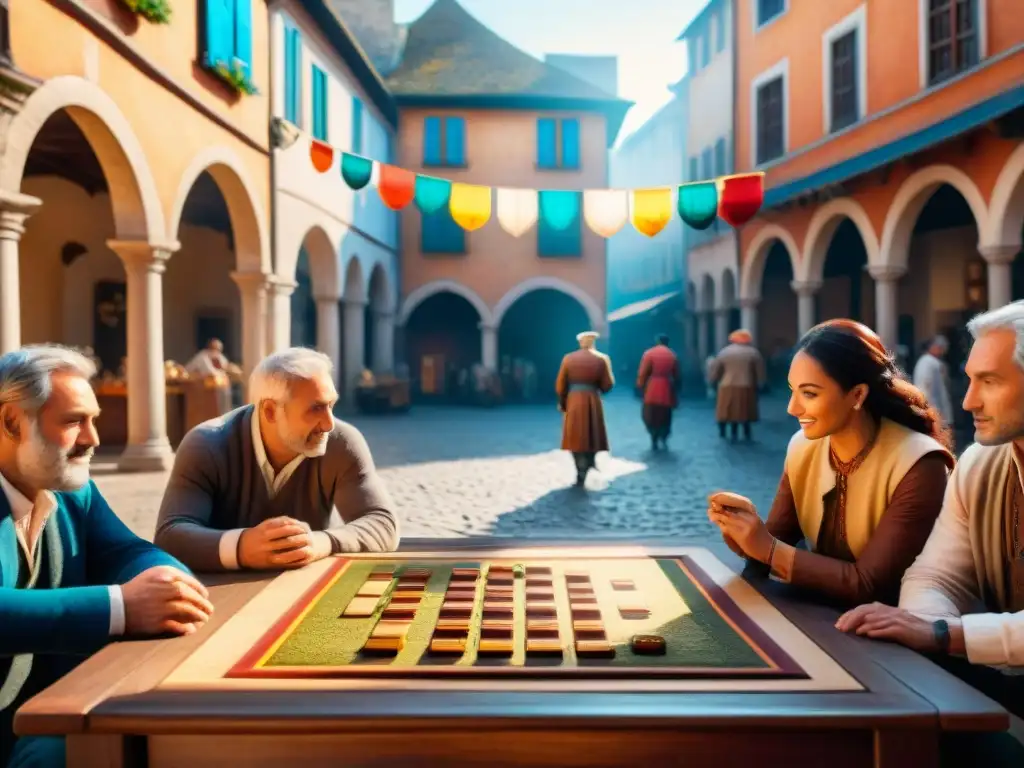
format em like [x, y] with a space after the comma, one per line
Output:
[372, 23]
[599, 71]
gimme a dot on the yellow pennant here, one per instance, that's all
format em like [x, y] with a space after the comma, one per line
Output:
[652, 210]
[606, 210]
[470, 206]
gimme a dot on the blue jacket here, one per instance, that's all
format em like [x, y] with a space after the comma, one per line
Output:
[46, 631]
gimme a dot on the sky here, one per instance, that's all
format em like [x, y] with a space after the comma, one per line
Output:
[641, 33]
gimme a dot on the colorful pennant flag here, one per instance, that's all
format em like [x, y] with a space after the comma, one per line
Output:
[322, 155]
[432, 194]
[652, 210]
[396, 186]
[606, 210]
[470, 206]
[517, 210]
[698, 204]
[356, 170]
[741, 198]
[559, 208]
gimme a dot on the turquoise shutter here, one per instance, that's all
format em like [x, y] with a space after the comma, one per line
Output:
[357, 126]
[319, 104]
[243, 34]
[292, 81]
[219, 32]
[546, 143]
[432, 141]
[454, 141]
[441, 234]
[560, 242]
[571, 143]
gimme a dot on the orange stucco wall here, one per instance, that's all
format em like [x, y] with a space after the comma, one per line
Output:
[501, 152]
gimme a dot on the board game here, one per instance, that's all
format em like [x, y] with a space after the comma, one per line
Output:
[676, 621]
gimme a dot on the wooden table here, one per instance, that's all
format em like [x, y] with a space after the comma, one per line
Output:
[114, 714]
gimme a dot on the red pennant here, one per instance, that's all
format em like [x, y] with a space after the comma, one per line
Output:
[741, 198]
[322, 155]
[396, 186]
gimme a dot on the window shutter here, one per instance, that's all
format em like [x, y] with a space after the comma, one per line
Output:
[432, 141]
[319, 104]
[243, 34]
[720, 157]
[440, 234]
[292, 79]
[571, 143]
[357, 126]
[219, 32]
[454, 141]
[694, 175]
[546, 143]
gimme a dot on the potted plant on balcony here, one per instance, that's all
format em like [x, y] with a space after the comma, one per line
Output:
[155, 11]
[236, 75]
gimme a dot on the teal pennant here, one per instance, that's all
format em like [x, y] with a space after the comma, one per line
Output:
[559, 208]
[356, 170]
[698, 204]
[432, 194]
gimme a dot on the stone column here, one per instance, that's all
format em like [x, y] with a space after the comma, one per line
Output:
[489, 346]
[383, 341]
[148, 449]
[253, 287]
[279, 314]
[328, 332]
[805, 293]
[15, 208]
[886, 310]
[999, 265]
[748, 316]
[702, 339]
[721, 327]
[355, 346]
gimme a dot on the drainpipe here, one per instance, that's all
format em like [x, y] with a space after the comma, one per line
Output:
[734, 55]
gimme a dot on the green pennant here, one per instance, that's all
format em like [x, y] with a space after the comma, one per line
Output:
[432, 194]
[356, 170]
[559, 208]
[698, 204]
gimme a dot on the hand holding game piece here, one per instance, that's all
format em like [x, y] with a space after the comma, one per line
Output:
[280, 542]
[164, 599]
[737, 518]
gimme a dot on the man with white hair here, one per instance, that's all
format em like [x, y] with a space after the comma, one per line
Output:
[963, 598]
[257, 487]
[72, 576]
[931, 376]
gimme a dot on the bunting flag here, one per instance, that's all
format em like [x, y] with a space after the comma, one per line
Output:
[432, 194]
[356, 170]
[470, 206]
[652, 209]
[741, 198]
[606, 211]
[396, 186]
[517, 210]
[559, 208]
[322, 155]
[698, 204]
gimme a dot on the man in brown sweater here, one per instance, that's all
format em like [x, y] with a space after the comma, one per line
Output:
[257, 487]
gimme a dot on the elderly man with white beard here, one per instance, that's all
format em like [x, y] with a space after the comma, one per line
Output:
[72, 576]
[258, 487]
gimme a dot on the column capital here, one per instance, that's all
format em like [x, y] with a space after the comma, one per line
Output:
[487, 326]
[805, 287]
[326, 298]
[282, 287]
[252, 281]
[886, 272]
[15, 208]
[141, 254]
[999, 254]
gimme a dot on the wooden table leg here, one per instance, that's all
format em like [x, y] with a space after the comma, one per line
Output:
[105, 750]
[899, 748]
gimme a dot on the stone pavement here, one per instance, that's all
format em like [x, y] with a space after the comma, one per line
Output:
[466, 471]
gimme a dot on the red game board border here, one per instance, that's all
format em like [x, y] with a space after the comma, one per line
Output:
[783, 665]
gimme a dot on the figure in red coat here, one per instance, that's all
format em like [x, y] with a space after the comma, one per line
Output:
[659, 380]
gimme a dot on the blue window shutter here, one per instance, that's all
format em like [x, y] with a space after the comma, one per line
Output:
[243, 34]
[720, 158]
[694, 173]
[547, 156]
[357, 126]
[432, 141]
[220, 33]
[319, 104]
[709, 172]
[571, 143]
[454, 141]
[292, 79]
[440, 234]
[560, 242]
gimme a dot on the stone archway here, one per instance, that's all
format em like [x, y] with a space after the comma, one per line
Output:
[315, 321]
[594, 313]
[379, 338]
[1006, 212]
[839, 247]
[424, 292]
[822, 229]
[752, 269]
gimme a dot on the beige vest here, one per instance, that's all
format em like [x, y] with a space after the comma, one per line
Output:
[870, 488]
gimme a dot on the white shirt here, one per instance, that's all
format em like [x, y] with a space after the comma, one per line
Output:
[29, 520]
[930, 377]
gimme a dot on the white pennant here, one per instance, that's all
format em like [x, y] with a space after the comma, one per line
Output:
[517, 210]
[606, 210]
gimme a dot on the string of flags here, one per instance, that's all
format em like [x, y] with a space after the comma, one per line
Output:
[735, 199]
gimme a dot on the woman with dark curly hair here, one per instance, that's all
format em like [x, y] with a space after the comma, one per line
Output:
[864, 477]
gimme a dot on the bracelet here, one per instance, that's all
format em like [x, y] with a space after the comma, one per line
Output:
[771, 552]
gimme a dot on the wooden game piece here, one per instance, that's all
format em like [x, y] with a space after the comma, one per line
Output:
[648, 645]
[634, 612]
[623, 585]
[595, 649]
[360, 607]
[385, 646]
[390, 628]
[585, 612]
[498, 612]
[585, 625]
[542, 646]
[533, 582]
[580, 588]
[465, 574]
[541, 610]
[495, 647]
[500, 568]
[446, 645]
[455, 624]
[496, 633]
[541, 625]
[399, 612]
[373, 588]
[577, 577]
[538, 570]
[411, 586]
[500, 581]
[457, 610]
[405, 600]
[590, 634]
[415, 573]
[582, 599]
[382, 574]
[540, 595]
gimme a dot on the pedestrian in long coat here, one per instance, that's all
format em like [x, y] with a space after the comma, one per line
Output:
[659, 379]
[739, 371]
[583, 377]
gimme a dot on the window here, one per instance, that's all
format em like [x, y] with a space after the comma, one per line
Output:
[699, 59]
[843, 98]
[439, 233]
[560, 242]
[444, 141]
[694, 173]
[952, 38]
[558, 143]
[319, 104]
[720, 169]
[770, 115]
[293, 76]
[768, 10]
[357, 126]
[229, 35]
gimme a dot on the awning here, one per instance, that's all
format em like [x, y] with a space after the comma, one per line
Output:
[639, 307]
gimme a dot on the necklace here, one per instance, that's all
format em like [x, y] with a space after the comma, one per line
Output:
[843, 471]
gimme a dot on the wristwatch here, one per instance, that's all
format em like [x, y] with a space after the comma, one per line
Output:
[941, 630]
